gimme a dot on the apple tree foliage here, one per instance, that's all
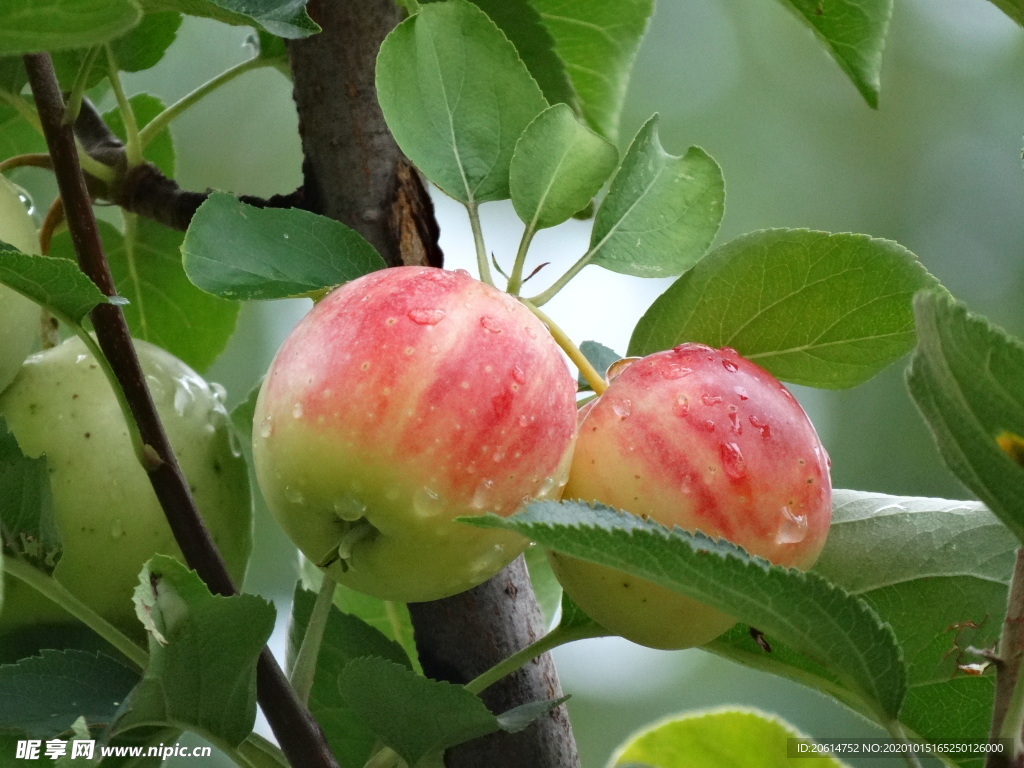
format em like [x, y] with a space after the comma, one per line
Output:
[520, 101]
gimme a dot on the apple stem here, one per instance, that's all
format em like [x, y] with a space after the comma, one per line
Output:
[53, 590]
[558, 636]
[588, 371]
[515, 282]
[305, 662]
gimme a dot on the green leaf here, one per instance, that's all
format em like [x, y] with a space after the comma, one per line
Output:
[203, 650]
[598, 42]
[600, 356]
[521, 23]
[389, 618]
[811, 307]
[813, 616]
[243, 414]
[31, 26]
[723, 738]
[558, 167]
[284, 18]
[546, 589]
[17, 137]
[28, 528]
[419, 718]
[237, 251]
[965, 377]
[164, 307]
[661, 212]
[160, 150]
[854, 32]
[937, 572]
[1012, 8]
[42, 696]
[345, 639]
[57, 284]
[456, 96]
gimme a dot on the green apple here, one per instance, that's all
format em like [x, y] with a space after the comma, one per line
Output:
[61, 405]
[704, 440]
[404, 399]
[19, 317]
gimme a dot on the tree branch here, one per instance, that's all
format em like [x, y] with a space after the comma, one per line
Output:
[354, 172]
[1008, 667]
[297, 732]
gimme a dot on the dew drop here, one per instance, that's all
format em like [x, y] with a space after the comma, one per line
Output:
[481, 495]
[682, 406]
[763, 427]
[463, 272]
[710, 400]
[709, 425]
[732, 461]
[622, 408]
[490, 324]
[294, 495]
[349, 507]
[517, 375]
[427, 503]
[675, 371]
[297, 411]
[741, 393]
[183, 398]
[730, 366]
[218, 390]
[156, 387]
[426, 316]
[266, 427]
[117, 529]
[81, 359]
[734, 417]
[616, 368]
[792, 527]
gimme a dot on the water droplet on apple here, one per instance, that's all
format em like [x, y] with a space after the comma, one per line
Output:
[117, 529]
[427, 503]
[183, 398]
[518, 375]
[293, 494]
[732, 461]
[792, 527]
[81, 359]
[709, 425]
[349, 507]
[741, 393]
[219, 392]
[266, 427]
[730, 366]
[763, 427]
[734, 417]
[682, 406]
[616, 368]
[622, 408]
[675, 371]
[156, 387]
[482, 494]
[426, 316]
[490, 324]
[710, 400]
[297, 411]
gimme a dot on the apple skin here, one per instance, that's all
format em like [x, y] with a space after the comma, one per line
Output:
[404, 399]
[19, 317]
[704, 440]
[110, 522]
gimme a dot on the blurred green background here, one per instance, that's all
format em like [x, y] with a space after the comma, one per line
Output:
[937, 167]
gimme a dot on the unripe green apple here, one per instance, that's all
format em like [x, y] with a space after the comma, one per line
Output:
[704, 440]
[60, 404]
[19, 317]
[404, 399]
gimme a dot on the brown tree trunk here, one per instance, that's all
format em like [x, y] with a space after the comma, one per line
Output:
[354, 172]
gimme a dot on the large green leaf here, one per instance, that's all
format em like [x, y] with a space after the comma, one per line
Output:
[28, 528]
[41, 696]
[825, 310]
[163, 307]
[31, 26]
[597, 41]
[1012, 8]
[237, 251]
[661, 212]
[966, 379]
[57, 284]
[558, 167]
[420, 718]
[854, 32]
[346, 638]
[937, 572]
[456, 96]
[284, 18]
[724, 738]
[203, 650]
[824, 623]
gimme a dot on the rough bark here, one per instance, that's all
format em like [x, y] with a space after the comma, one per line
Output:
[354, 172]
